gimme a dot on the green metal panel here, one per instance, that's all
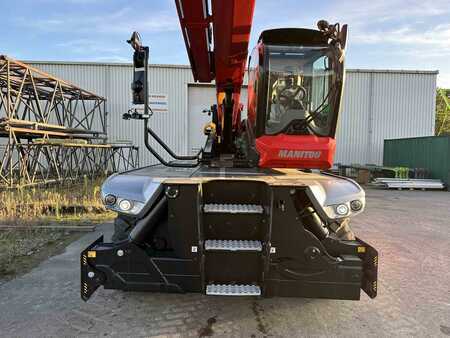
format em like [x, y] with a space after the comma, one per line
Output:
[432, 153]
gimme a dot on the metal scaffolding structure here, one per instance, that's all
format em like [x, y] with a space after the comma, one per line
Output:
[52, 130]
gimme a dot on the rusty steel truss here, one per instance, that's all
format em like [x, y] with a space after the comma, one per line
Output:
[52, 130]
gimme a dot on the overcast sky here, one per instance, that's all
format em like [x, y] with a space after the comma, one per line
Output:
[390, 34]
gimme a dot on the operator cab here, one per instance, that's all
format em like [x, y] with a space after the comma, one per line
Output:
[295, 86]
[300, 89]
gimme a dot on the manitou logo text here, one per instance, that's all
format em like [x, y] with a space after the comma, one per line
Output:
[299, 154]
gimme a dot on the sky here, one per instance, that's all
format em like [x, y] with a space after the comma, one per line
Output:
[383, 34]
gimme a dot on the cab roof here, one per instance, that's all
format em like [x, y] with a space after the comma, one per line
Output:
[292, 36]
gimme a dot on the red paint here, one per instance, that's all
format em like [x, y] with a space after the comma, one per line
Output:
[295, 151]
[232, 22]
[193, 24]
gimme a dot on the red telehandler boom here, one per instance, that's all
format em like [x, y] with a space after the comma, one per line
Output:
[246, 216]
[219, 56]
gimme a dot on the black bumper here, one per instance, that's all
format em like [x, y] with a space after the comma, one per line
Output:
[369, 258]
[127, 266]
[89, 284]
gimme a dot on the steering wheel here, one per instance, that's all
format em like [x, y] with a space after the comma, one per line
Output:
[289, 96]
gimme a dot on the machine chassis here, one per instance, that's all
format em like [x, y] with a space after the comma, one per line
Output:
[292, 260]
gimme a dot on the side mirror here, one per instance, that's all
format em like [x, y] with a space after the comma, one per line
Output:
[140, 61]
[323, 25]
[139, 51]
[135, 41]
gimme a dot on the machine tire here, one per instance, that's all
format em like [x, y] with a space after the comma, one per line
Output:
[122, 227]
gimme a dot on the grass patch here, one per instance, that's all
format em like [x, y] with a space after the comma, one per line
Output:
[70, 202]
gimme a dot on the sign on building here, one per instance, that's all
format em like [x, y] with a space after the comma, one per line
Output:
[159, 103]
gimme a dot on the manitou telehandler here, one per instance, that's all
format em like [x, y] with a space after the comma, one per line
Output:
[251, 214]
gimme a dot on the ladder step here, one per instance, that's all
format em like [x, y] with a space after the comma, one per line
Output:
[232, 290]
[233, 208]
[232, 245]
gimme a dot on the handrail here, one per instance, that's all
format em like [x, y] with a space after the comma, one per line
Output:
[158, 156]
[166, 148]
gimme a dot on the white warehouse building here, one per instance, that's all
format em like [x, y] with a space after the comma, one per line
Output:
[377, 105]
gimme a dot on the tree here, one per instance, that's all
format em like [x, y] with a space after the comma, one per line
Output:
[442, 112]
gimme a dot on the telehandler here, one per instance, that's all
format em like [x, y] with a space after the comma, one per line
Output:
[254, 213]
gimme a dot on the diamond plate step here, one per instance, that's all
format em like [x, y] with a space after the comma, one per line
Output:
[233, 208]
[232, 290]
[232, 245]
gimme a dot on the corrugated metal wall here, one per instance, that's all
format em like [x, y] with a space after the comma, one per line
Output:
[381, 105]
[377, 105]
[113, 82]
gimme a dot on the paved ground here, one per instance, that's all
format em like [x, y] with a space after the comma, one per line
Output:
[411, 229]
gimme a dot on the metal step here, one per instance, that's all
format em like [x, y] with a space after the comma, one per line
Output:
[232, 245]
[233, 208]
[233, 290]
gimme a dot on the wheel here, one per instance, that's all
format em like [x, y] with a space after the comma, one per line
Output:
[122, 227]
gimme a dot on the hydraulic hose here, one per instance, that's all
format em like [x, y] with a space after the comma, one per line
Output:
[313, 223]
